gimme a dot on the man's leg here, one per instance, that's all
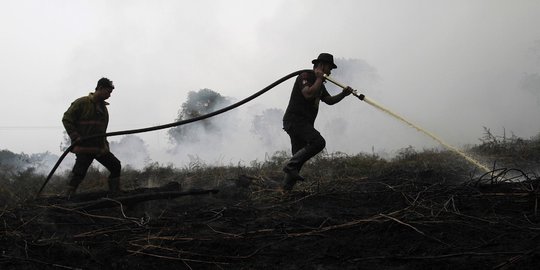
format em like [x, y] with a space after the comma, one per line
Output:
[82, 162]
[292, 169]
[306, 142]
[115, 167]
[314, 143]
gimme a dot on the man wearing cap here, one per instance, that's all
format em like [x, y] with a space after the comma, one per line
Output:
[88, 116]
[300, 115]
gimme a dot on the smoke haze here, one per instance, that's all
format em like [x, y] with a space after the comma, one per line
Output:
[452, 67]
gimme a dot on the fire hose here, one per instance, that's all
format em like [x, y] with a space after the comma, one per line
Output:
[174, 124]
[242, 102]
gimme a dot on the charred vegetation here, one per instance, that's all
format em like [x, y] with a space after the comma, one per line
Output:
[419, 210]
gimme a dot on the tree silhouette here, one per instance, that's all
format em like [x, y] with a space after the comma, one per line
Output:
[198, 103]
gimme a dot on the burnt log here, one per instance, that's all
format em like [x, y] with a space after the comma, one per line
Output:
[105, 199]
[131, 199]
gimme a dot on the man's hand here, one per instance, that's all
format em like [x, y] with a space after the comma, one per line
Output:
[319, 73]
[75, 137]
[347, 91]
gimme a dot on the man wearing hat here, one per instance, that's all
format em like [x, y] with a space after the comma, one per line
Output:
[300, 115]
[88, 116]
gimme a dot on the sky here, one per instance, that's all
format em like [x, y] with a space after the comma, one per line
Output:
[452, 67]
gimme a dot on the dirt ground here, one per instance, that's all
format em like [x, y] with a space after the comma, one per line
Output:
[398, 221]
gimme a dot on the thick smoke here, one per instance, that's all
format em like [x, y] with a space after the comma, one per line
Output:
[40, 163]
[531, 83]
[355, 72]
[267, 127]
[201, 141]
[347, 126]
[132, 151]
[252, 132]
[238, 136]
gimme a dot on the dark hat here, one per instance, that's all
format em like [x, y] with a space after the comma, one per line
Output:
[104, 82]
[325, 57]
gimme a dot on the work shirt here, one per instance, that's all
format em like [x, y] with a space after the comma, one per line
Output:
[86, 117]
[300, 108]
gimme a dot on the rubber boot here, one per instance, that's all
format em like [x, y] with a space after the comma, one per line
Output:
[292, 168]
[289, 183]
[114, 185]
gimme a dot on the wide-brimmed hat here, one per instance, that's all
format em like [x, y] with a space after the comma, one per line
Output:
[325, 57]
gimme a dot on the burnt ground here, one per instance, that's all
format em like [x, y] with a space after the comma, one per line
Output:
[398, 221]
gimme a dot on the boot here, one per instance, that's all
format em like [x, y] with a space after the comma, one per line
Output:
[292, 168]
[289, 183]
[114, 185]
[292, 172]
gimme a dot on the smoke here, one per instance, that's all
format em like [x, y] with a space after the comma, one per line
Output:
[267, 127]
[236, 137]
[452, 76]
[350, 126]
[132, 151]
[254, 131]
[11, 161]
[355, 72]
[40, 163]
[531, 83]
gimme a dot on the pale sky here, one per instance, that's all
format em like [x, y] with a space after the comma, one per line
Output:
[453, 67]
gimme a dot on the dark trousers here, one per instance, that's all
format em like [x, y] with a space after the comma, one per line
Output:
[306, 142]
[83, 162]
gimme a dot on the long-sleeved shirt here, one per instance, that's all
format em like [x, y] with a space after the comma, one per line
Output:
[86, 117]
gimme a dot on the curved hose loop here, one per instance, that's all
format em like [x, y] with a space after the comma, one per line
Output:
[174, 124]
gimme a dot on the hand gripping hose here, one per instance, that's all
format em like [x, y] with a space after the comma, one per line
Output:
[179, 123]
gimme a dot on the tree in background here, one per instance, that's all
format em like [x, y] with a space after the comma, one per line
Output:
[198, 103]
[10, 161]
[40, 163]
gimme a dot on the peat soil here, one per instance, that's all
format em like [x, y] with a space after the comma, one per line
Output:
[396, 221]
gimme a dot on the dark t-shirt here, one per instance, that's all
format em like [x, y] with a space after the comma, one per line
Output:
[301, 109]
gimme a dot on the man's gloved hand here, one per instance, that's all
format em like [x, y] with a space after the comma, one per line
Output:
[347, 91]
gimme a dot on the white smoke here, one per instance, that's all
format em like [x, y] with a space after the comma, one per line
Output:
[132, 151]
[236, 137]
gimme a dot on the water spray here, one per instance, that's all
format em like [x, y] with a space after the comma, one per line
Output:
[395, 115]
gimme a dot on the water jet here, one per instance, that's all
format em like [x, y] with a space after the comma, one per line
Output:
[397, 116]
